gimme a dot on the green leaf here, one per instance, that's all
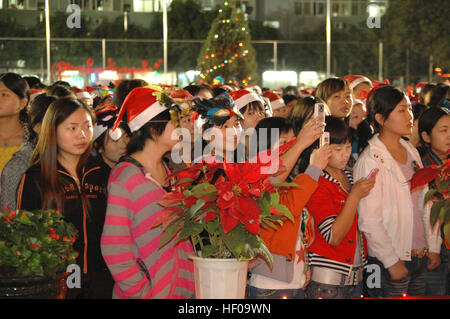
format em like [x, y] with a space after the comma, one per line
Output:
[275, 199]
[204, 189]
[170, 232]
[265, 253]
[212, 226]
[281, 184]
[190, 230]
[436, 212]
[209, 250]
[185, 180]
[285, 211]
[265, 206]
[429, 195]
[235, 239]
[195, 208]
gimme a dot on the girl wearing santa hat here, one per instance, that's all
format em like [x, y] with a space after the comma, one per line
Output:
[136, 184]
[251, 105]
[109, 147]
[63, 176]
[358, 83]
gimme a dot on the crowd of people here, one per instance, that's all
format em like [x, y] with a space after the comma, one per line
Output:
[103, 156]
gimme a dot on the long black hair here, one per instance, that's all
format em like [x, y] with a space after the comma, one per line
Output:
[20, 87]
[383, 101]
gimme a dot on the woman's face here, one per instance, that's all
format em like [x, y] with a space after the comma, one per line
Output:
[10, 103]
[74, 134]
[340, 155]
[400, 121]
[439, 138]
[187, 123]
[112, 150]
[225, 138]
[284, 138]
[361, 87]
[281, 112]
[252, 116]
[169, 138]
[357, 116]
[204, 95]
[340, 103]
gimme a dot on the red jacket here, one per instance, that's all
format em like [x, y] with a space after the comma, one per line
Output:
[324, 206]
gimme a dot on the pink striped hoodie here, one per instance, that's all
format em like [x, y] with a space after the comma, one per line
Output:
[130, 247]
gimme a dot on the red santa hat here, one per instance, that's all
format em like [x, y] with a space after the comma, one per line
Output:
[105, 120]
[141, 106]
[276, 101]
[81, 94]
[419, 86]
[243, 97]
[356, 80]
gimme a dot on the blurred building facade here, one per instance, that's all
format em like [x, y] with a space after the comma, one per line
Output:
[289, 16]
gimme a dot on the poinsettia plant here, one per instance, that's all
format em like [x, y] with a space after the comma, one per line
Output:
[437, 177]
[38, 243]
[221, 207]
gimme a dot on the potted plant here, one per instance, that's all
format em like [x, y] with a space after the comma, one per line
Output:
[221, 207]
[437, 177]
[35, 250]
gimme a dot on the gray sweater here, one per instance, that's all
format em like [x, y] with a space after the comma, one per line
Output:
[12, 173]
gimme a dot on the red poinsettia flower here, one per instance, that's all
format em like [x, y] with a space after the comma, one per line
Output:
[423, 176]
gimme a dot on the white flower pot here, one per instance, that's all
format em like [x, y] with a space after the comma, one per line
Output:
[219, 278]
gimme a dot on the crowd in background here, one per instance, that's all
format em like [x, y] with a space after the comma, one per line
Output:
[102, 155]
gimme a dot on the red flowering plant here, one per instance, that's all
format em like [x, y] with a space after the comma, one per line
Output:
[437, 177]
[38, 243]
[221, 207]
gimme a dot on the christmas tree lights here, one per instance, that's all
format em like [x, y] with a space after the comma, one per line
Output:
[227, 53]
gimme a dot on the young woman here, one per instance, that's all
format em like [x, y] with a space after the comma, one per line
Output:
[64, 177]
[14, 131]
[338, 253]
[395, 221]
[221, 130]
[20, 162]
[109, 147]
[434, 132]
[301, 114]
[337, 94]
[129, 244]
[289, 276]
[251, 107]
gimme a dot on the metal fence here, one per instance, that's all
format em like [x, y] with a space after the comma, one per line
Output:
[130, 56]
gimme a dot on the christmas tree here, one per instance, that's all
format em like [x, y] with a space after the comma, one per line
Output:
[227, 55]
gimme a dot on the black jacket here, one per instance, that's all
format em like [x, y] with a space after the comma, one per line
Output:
[89, 223]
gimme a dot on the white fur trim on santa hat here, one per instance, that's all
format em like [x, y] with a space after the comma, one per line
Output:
[83, 95]
[277, 104]
[145, 116]
[358, 81]
[246, 99]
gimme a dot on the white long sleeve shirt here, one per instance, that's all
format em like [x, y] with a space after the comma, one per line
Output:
[386, 214]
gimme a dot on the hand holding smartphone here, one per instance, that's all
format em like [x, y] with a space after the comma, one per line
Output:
[373, 173]
[319, 110]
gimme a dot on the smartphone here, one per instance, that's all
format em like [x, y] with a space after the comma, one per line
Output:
[325, 139]
[373, 173]
[319, 110]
